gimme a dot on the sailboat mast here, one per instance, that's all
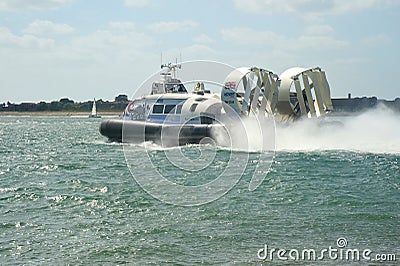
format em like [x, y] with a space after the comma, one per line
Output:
[94, 111]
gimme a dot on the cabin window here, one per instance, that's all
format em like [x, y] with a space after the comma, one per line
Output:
[168, 108]
[193, 107]
[181, 88]
[179, 109]
[158, 109]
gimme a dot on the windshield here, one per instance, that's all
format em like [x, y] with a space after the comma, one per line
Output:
[175, 88]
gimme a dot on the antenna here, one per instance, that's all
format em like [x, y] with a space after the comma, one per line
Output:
[175, 66]
[161, 61]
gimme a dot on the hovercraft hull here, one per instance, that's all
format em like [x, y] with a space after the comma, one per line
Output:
[130, 131]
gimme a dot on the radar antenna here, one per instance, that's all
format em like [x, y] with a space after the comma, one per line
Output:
[171, 67]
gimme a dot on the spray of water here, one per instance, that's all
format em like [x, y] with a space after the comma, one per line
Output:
[376, 130]
[245, 134]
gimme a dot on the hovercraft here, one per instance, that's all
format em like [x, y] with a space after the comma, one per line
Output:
[172, 116]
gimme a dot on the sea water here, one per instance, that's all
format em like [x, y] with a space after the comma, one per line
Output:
[67, 196]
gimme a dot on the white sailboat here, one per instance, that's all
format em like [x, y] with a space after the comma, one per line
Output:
[93, 114]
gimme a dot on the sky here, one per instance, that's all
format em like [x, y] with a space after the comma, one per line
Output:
[81, 49]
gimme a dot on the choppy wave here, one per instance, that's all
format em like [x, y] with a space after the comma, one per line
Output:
[68, 198]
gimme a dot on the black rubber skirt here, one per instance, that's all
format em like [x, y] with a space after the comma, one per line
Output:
[167, 134]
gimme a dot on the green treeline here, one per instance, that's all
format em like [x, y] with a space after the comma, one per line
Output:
[66, 104]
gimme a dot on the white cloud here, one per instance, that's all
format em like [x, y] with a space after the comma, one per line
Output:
[12, 41]
[13, 5]
[342, 7]
[320, 37]
[315, 37]
[122, 25]
[108, 46]
[100, 64]
[324, 43]
[318, 30]
[45, 27]
[95, 46]
[198, 51]
[250, 37]
[202, 38]
[306, 8]
[137, 3]
[172, 26]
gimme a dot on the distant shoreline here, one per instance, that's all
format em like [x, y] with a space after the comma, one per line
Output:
[64, 107]
[58, 113]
